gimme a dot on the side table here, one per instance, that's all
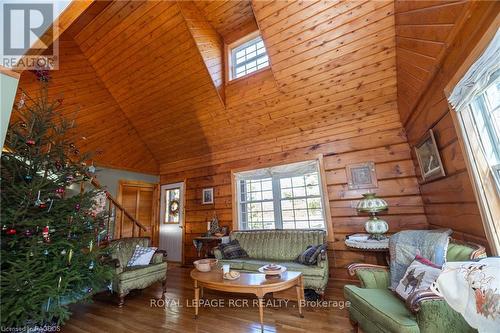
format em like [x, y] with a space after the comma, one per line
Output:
[360, 242]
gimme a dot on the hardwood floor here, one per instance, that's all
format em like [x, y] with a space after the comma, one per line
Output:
[177, 315]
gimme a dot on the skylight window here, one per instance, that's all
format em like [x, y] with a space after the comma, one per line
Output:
[247, 56]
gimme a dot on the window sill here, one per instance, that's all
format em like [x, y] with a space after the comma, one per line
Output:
[248, 75]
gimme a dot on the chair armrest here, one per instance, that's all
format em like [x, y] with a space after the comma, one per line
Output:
[370, 276]
[159, 256]
[217, 253]
[413, 302]
[113, 262]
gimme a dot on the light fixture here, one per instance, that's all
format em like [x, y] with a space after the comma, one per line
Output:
[372, 205]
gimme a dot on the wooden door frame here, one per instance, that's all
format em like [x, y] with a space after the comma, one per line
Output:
[155, 200]
[183, 233]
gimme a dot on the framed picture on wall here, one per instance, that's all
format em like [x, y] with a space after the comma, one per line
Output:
[428, 158]
[361, 176]
[207, 197]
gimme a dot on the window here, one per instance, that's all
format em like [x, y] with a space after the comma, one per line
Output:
[485, 112]
[476, 103]
[283, 197]
[172, 202]
[247, 57]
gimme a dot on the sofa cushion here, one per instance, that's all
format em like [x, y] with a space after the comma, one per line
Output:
[232, 250]
[135, 272]
[254, 264]
[382, 308]
[285, 245]
[310, 255]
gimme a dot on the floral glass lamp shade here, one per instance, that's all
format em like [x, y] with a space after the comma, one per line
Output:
[372, 205]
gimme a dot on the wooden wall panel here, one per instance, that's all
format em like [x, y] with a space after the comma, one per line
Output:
[433, 39]
[101, 124]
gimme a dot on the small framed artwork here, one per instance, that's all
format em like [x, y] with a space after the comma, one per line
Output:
[428, 158]
[361, 176]
[207, 196]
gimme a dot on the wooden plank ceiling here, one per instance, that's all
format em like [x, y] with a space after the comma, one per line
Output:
[329, 61]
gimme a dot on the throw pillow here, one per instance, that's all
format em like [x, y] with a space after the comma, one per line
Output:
[233, 250]
[419, 276]
[310, 255]
[142, 256]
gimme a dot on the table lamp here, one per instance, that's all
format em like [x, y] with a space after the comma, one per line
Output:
[372, 205]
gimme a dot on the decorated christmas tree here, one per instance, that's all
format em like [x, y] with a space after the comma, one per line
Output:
[50, 256]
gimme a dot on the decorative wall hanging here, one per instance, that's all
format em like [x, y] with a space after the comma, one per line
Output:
[207, 197]
[361, 176]
[428, 158]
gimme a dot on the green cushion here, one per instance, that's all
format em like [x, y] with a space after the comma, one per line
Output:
[284, 245]
[254, 264]
[458, 252]
[382, 308]
[141, 271]
[374, 278]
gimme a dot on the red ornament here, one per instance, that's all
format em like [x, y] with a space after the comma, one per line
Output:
[42, 205]
[30, 142]
[45, 234]
[60, 190]
[11, 231]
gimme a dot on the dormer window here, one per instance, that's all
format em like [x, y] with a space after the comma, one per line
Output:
[246, 56]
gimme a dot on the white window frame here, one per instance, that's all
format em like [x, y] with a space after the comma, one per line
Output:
[481, 173]
[277, 199]
[233, 48]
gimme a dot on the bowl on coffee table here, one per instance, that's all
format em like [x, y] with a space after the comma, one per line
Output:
[272, 270]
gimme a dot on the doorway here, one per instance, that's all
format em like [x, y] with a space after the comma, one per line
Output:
[172, 220]
[140, 200]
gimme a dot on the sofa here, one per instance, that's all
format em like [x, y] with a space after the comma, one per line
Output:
[281, 247]
[375, 308]
[126, 278]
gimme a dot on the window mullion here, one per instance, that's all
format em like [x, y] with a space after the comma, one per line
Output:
[278, 223]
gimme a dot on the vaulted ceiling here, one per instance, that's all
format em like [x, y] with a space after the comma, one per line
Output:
[148, 76]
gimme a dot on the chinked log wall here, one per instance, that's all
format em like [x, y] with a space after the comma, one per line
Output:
[352, 139]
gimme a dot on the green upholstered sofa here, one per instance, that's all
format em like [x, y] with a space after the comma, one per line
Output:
[281, 247]
[377, 309]
[136, 277]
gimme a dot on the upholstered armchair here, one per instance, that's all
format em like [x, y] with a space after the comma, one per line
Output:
[375, 308]
[136, 277]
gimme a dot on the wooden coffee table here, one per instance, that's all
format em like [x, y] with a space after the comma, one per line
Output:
[249, 283]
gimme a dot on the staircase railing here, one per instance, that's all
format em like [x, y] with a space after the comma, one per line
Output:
[114, 207]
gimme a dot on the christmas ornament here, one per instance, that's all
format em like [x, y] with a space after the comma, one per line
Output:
[63, 252]
[50, 206]
[42, 205]
[45, 234]
[28, 233]
[46, 252]
[60, 191]
[91, 245]
[28, 178]
[84, 164]
[38, 202]
[4, 227]
[70, 256]
[91, 169]
[89, 290]
[11, 231]
[77, 207]
[30, 142]
[58, 165]
[59, 282]
[91, 266]
[69, 178]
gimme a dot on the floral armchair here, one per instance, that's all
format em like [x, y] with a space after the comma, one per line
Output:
[136, 277]
[375, 308]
